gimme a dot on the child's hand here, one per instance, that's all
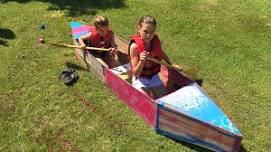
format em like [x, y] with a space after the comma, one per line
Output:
[113, 51]
[83, 46]
[144, 56]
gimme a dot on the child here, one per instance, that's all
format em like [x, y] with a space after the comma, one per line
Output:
[100, 35]
[143, 45]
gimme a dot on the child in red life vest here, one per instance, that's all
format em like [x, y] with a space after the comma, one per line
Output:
[100, 35]
[143, 45]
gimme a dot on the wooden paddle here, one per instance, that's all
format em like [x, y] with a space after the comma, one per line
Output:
[191, 73]
[79, 47]
[187, 71]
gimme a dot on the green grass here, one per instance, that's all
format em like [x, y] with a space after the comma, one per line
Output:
[229, 41]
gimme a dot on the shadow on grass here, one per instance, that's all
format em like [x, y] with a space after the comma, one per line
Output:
[191, 146]
[198, 148]
[199, 81]
[6, 34]
[242, 148]
[77, 8]
[75, 66]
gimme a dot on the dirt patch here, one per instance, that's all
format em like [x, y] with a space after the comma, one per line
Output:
[7, 103]
[117, 127]
[43, 132]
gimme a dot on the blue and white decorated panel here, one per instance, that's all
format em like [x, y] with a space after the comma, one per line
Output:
[194, 102]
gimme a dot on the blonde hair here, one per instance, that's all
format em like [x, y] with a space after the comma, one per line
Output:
[100, 21]
[147, 19]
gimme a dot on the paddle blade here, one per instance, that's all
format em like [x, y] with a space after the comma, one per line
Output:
[191, 73]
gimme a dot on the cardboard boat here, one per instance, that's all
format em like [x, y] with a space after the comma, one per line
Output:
[187, 113]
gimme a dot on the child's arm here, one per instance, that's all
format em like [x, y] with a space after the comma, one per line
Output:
[114, 46]
[82, 38]
[137, 63]
[113, 43]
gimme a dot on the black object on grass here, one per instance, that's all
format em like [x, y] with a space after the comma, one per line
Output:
[43, 26]
[68, 76]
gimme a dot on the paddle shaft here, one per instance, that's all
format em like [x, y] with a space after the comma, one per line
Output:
[165, 64]
[79, 47]
[97, 49]
[191, 74]
[149, 58]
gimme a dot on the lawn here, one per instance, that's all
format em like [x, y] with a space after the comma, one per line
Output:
[227, 40]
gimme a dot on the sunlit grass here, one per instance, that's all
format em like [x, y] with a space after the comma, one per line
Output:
[228, 41]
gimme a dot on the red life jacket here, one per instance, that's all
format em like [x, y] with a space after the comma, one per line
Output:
[96, 40]
[150, 68]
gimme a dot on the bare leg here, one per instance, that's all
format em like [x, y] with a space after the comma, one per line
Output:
[110, 60]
